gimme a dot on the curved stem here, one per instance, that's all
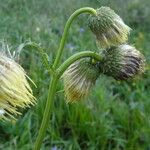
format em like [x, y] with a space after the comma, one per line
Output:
[75, 57]
[67, 26]
[52, 86]
[42, 53]
[47, 113]
[52, 90]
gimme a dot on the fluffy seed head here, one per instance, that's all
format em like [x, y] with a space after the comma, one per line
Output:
[122, 62]
[79, 78]
[109, 28]
[15, 91]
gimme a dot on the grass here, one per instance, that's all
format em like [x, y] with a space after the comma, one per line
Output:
[114, 117]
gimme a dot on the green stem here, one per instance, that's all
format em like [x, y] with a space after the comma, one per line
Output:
[52, 87]
[52, 90]
[44, 57]
[41, 52]
[47, 113]
[66, 29]
[75, 57]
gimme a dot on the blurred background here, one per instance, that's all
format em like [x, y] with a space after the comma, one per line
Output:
[116, 116]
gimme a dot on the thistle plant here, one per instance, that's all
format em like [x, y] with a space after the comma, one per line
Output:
[80, 71]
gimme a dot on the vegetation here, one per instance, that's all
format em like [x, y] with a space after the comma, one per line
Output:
[114, 117]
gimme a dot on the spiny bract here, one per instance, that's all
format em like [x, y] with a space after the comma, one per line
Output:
[79, 78]
[122, 62]
[15, 91]
[109, 28]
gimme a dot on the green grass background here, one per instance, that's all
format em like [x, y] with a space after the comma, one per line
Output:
[116, 116]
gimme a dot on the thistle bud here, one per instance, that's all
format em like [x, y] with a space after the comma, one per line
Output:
[15, 91]
[79, 78]
[122, 62]
[109, 28]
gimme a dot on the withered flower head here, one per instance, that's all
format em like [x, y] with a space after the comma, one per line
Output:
[15, 91]
[122, 62]
[109, 28]
[79, 78]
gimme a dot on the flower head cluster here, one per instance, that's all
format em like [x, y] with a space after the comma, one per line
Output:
[119, 60]
[79, 78]
[109, 28]
[15, 91]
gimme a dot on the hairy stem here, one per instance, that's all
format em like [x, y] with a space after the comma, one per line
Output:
[52, 87]
[47, 113]
[66, 29]
[43, 55]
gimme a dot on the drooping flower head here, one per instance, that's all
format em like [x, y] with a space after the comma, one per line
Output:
[109, 28]
[15, 91]
[79, 78]
[122, 62]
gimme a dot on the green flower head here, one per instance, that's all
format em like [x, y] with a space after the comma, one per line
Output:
[122, 62]
[109, 28]
[79, 78]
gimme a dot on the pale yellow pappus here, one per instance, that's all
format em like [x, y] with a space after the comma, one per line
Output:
[15, 91]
